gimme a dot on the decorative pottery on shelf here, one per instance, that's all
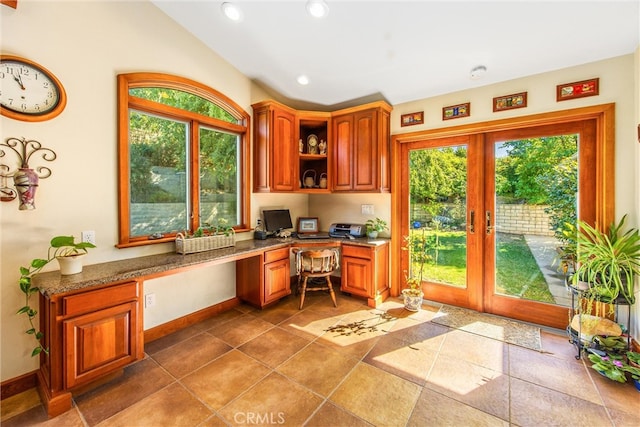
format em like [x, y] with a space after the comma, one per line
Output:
[71, 264]
[26, 183]
[412, 302]
[309, 178]
[323, 180]
[373, 234]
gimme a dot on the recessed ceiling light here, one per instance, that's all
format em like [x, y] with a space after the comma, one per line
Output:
[303, 80]
[232, 11]
[317, 8]
[478, 72]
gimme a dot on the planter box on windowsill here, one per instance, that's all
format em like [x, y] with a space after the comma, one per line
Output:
[190, 245]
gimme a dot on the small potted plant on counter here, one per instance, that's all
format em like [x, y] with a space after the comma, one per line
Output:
[62, 248]
[68, 253]
[375, 226]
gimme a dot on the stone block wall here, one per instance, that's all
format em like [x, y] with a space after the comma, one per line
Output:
[510, 218]
[523, 219]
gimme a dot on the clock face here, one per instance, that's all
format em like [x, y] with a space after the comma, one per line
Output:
[28, 91]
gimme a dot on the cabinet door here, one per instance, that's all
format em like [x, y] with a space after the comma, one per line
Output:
[365, 151]
[274, 149]
[284, 162]
[342, 152]
[384, 151]
[356, 276]
[100, 342]
[276, 280]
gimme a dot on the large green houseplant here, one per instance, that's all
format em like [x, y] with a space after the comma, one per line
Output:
[60, 246]
[608, 261]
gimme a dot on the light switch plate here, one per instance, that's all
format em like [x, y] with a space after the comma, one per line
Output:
[367, 209]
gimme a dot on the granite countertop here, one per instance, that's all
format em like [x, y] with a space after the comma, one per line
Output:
[52, 282]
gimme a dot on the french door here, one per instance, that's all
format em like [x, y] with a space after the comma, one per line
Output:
[470, 205]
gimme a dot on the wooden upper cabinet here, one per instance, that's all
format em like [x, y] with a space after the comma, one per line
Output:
[275, 148]
[357, 158]
[343, 152]
[362, 149]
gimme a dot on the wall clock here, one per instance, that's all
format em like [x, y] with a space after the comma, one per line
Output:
[30, 92]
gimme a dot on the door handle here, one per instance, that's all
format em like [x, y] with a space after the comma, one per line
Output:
[472, 222]
[489, 227]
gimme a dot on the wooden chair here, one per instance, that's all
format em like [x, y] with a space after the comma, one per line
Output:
[316, 264]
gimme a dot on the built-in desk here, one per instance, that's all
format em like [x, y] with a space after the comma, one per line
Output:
[93, 321]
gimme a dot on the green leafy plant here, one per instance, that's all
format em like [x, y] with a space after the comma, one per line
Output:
[613, 366]
[376, 224]
[614, 344]
[633, 357]
[608, 261]
[417, 247]
[59, 246]
[221, 227]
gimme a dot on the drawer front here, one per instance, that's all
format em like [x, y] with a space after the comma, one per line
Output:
[276, 255]
[95, 300]
[356, 251]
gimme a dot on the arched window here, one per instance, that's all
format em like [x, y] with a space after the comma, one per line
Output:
[183, 158]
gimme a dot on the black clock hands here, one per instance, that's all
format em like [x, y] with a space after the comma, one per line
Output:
[19, 80]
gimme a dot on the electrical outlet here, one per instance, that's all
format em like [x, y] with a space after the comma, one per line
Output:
[149, 300]
[367, 209]
[88, 236]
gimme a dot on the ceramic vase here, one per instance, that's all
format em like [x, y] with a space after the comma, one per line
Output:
[412, 302]
[26, 183]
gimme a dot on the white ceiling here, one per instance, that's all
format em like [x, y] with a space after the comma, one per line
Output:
[402, 51]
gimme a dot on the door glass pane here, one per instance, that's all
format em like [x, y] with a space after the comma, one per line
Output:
[536, 185]
[157, 174]
[438, 198]
[219, 156]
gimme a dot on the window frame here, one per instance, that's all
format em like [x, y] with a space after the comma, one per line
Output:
[126, 102]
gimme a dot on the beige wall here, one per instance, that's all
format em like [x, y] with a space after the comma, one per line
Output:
[619, 81]
[86, 44]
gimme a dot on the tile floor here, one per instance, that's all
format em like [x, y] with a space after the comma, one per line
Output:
[282, 366]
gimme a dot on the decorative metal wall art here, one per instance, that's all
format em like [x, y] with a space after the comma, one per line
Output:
[25, 179]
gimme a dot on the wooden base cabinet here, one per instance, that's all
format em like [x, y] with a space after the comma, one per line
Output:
[365, 272]
[89, 334]
[261, 280]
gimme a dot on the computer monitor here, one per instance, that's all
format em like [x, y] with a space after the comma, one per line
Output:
[276, 220]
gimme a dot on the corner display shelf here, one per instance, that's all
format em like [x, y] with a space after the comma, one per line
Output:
[313, 158]
[576, 308]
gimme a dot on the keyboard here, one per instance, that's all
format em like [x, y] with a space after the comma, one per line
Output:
[304, 236]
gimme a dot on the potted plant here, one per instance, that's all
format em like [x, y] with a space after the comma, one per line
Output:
[206, 238]
[608, 261]
[60, 247]
[613, 366]
[375, 226]
[68, 253]
[412, 294]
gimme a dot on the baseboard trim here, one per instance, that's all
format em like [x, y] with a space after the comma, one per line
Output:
[175, 325]
[17, 385]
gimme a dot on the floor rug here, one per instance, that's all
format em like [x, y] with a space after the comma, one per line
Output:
[498, 328]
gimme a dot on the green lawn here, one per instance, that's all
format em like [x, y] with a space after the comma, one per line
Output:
[517, 271]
